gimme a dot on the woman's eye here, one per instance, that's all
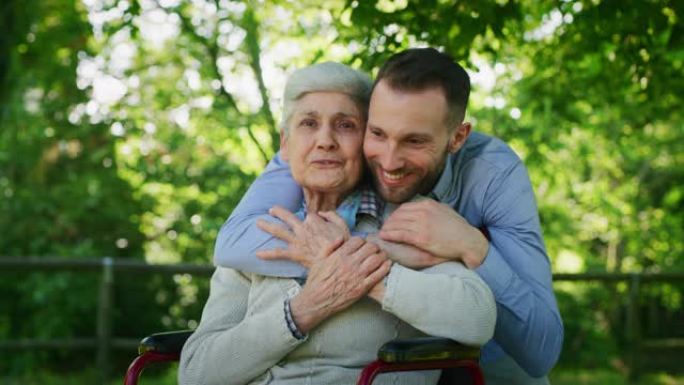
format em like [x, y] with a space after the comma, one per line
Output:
[308, 123]
[346, 125]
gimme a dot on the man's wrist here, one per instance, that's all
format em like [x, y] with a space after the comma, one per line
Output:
[478, 251]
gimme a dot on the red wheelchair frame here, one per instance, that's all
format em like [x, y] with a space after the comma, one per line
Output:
[426, 353]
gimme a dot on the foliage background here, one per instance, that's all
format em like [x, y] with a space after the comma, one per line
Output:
[131, 128]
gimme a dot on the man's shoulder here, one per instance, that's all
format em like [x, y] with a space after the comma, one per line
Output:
[485, 151]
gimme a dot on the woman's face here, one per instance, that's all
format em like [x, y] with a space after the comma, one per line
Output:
[324, 143]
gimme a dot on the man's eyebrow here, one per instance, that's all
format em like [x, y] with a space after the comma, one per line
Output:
[425, 137]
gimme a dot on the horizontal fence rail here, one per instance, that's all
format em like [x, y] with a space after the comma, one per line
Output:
[103, 342]
[97, 264]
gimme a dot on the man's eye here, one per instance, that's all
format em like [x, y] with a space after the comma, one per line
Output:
[416, 141]
[376, 133]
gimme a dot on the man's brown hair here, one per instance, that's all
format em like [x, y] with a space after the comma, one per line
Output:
[418, 69]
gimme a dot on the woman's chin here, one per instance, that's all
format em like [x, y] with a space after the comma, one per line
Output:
[334, 186]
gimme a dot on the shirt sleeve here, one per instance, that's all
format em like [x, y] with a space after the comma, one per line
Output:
[517, 269]
[239, 238]
[230, 343]
[435, 299]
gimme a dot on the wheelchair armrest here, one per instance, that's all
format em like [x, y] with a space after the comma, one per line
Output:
[164, 343]
[159, 347]
[426, 349]
[426, 353]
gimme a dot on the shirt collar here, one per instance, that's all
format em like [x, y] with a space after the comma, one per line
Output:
[371, 203]
[363, 201]
[444, 187]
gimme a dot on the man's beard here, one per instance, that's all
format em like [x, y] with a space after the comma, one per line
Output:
[403, 194]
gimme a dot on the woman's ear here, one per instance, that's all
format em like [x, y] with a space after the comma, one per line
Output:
[459, 136]
[283, 146]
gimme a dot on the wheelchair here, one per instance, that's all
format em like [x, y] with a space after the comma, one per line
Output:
[458, 362]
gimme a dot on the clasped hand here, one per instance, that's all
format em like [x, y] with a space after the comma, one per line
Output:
[342, 269]
[305, 239]
[436, 229]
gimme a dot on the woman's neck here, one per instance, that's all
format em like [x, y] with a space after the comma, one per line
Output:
[321, 201]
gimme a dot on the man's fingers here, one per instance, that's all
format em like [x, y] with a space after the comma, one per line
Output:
[405, 219]
[422, 255]
[285, 216]
[412, 213]
[277, 253]
[333, 217]
[400, 236]
[277, 230]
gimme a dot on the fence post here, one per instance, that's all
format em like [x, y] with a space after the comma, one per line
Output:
[104, 313]
[633, 327]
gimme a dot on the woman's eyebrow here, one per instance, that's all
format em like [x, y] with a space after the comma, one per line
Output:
[346, 115]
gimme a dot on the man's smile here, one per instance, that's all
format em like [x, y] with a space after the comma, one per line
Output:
[394, 178]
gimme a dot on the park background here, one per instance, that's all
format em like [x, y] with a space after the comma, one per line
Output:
[130, 129]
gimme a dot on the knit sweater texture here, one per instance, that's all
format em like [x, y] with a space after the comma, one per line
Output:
[243, 337]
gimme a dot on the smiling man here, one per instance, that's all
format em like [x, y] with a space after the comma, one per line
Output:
[443, 188]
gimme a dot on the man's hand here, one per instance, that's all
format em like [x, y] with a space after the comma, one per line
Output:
[338, 278]
[437, 229]
[404, 254]
[304, 239]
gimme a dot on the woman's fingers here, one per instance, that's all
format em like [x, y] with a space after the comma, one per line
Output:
[330, 248]
[286, 216]
[277, 230]
[277, 253]
[372, 263]
[377, 275]
[364, 252]
[349, 247]
[333, 217]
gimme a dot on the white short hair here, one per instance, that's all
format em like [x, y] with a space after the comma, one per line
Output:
[325, 77]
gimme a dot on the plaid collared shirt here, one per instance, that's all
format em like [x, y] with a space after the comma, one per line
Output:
[371, 205]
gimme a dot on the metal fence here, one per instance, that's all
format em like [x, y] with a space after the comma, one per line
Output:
[103, 342]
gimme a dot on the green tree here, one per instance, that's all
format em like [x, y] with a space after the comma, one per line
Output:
[132, 128]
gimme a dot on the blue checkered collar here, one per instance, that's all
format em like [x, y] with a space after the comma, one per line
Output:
[363, 201]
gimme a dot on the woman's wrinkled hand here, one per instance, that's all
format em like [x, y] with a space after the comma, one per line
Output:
[340, 275]
[305, 239]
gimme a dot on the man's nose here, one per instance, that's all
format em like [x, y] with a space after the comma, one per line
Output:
[392, 159]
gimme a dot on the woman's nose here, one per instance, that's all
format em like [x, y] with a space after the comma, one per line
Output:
[325, 138]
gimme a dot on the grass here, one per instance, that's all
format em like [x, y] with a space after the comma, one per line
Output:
[167, 376]
[610, 377]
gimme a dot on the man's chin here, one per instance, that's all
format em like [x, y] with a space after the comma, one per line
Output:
[396, 196]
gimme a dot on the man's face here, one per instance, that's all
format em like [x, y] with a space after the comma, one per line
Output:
[407, 140]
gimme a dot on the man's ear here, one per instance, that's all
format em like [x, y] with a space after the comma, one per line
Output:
[283, 146]
[459, 136]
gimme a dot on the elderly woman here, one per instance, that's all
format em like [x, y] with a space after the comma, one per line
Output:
[257, 329]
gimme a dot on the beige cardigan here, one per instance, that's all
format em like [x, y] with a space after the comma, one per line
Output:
[243, 336]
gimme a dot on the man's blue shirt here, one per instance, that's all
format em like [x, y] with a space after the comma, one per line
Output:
[487, 184]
